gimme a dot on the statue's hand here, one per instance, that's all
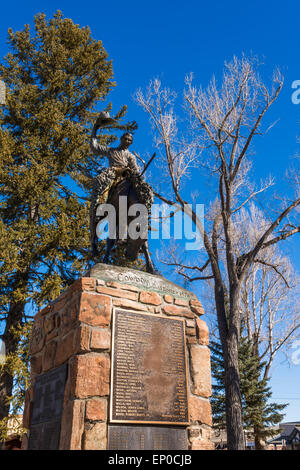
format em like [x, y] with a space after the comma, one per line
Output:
[104, 119]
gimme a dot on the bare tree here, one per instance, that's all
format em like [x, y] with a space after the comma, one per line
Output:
[269, 293]
[220, 124]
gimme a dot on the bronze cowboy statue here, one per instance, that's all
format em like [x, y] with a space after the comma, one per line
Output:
[121, 178]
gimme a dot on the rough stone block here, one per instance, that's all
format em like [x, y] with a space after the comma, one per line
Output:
[72, 425]
[88, 283]
[200, 431]
[36, 363]
[100, 338]
[177, 311]
[65, 349]
[192, 340]
[49, 355]
[118, 285]
[69, 315]
[95, 309]
[202, 332]
[95, 436]
[37, 336]
[190, 323]
[200, 410]
[82, 339]
[201, 371]
[49, 323]
[117, 293]
[90, 375]
[202, 444]
[24, 444]
[182, 302]
[129, 304]
[196, 307]
[96, 409]
[150, 298]
[190, 331]
[27, 409]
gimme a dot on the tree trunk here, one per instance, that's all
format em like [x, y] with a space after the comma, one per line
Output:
[259, 443]
[6, 386]
[234, 420]
[14, 318]
[229, 335]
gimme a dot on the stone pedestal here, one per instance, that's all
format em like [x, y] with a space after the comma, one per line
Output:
[69, 403]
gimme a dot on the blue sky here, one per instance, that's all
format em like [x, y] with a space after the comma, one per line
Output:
[168, 39]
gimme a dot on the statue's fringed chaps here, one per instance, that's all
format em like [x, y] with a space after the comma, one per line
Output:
[104, 182]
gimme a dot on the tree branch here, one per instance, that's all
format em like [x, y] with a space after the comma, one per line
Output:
[253, 131]
[273, 266]
[245, 260]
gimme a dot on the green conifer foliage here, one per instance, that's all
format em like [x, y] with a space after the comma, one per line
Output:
[17, 364]
[218, 396]
[54, 75]
[258, 413]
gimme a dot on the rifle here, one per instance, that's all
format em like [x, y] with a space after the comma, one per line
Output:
[147, 164]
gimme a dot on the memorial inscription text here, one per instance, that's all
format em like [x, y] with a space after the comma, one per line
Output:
[149, 383]
[146, 438]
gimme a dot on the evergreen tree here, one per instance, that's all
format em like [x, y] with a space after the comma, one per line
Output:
[218, 390]
[17, 364]
[258, 413]
[54, 76]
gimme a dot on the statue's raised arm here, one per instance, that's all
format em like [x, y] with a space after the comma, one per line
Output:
[102, 121]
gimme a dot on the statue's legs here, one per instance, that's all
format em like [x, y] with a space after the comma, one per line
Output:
[149, 264]
[93, 236]
[109, 245]
[101, 183]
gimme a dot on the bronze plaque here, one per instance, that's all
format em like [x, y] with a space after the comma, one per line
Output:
[146, 438]
[149, 379]
[47, 409]
[44, 436]
[49, 395]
